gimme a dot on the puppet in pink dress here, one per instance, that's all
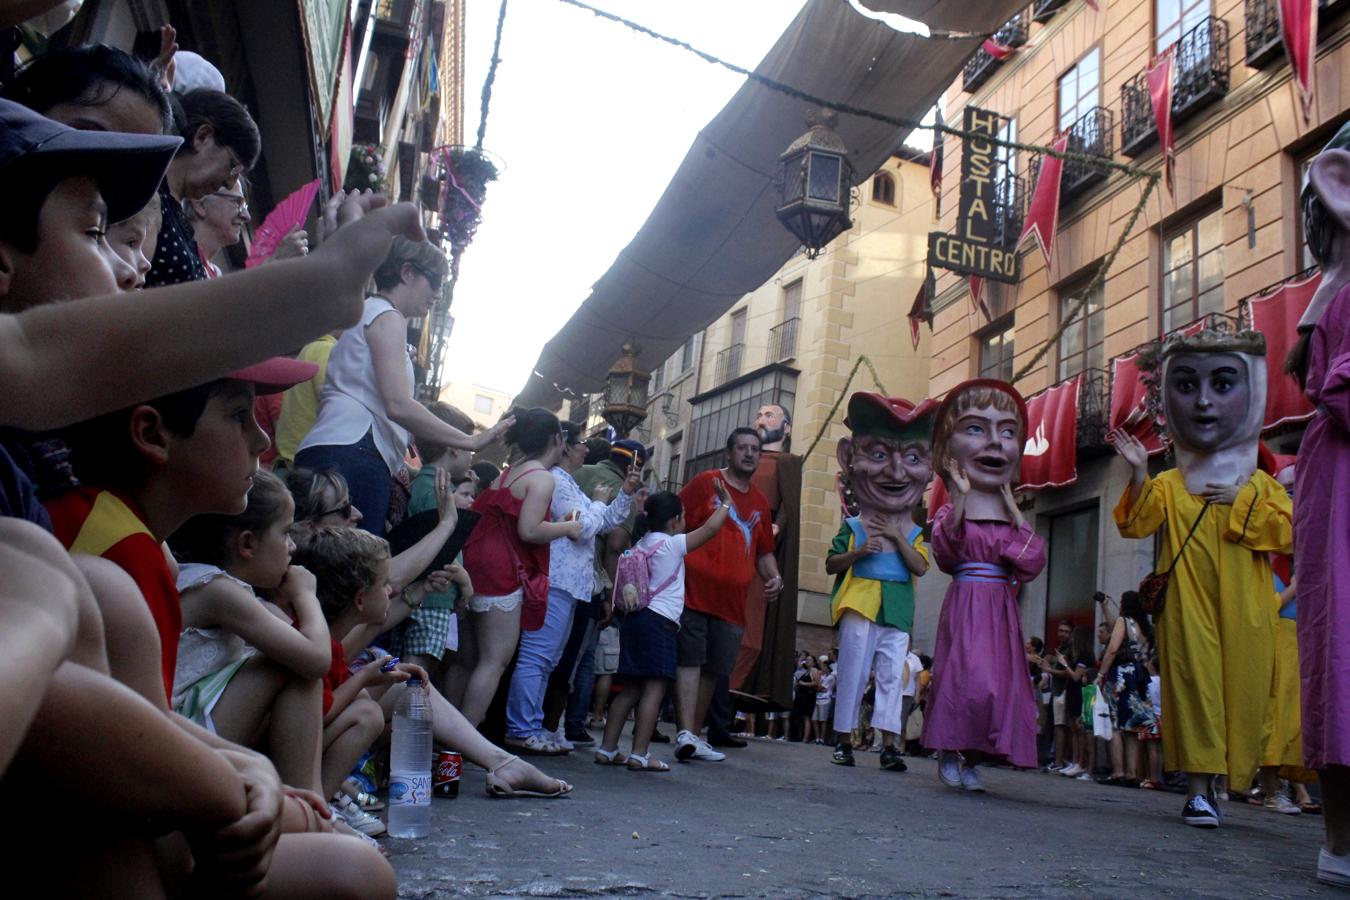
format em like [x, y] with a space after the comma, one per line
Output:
[980, 703]
[1322, 505]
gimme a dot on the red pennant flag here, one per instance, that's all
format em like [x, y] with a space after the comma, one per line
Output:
[976, 285]
[1276, 316]
[1298, 30]
[1091, 4]
[1043, 215]
[935, 163]
[1050, 455]
[921, 310]
[1160, 94]
[1129, 410]
[998, 51]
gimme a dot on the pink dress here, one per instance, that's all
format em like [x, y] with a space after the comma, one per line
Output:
[1322, 544]
[981, 698]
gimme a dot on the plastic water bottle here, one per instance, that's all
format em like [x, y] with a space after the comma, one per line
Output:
[410, 765]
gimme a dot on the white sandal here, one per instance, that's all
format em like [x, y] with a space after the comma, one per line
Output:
[609, 757]
[644, 763]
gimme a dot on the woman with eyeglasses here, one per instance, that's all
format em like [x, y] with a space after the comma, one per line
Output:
[367, 412]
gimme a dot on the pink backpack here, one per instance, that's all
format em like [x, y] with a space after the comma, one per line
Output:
[632, 579]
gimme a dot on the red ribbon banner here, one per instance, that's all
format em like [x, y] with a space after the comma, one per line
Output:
[1043, 215]
[1298, 30]
[1160, 94]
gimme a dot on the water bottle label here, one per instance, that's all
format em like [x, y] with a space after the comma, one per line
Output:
[409, 790]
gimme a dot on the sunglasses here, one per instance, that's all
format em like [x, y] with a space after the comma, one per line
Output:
[433, 278]
[344, 510]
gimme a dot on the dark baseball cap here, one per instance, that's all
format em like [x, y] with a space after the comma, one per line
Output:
[628, 451]
[127, 167]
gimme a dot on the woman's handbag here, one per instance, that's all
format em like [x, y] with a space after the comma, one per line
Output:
[1153, 589]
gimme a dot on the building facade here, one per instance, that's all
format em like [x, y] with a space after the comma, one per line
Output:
[794, 342]
[1231, 230]
[484, 405]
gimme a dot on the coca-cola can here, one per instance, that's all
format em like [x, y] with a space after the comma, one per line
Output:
[445, 774]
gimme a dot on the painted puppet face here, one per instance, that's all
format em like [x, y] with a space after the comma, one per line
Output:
[985, 443]
[889, 474]
[1207, 399]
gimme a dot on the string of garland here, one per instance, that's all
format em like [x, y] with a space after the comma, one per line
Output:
[839, 401]
[491, 77]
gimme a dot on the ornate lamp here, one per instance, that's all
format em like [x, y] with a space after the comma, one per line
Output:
[626, 392]
[816, 180]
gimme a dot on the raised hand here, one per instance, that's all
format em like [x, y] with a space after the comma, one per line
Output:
[1130, 448]
[958, 482]
[1010, 503]
[445, 498]
[632, 480]
[487, 438]
[295, 243]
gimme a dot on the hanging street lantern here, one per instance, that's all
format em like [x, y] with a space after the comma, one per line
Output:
[626, 392]
[816, 181]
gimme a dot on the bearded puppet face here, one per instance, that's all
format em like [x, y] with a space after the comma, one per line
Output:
[1208, 398]
[986, 442]
[887, 474]
[771, 422]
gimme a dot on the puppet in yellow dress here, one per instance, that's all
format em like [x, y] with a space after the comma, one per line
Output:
[1216, 633]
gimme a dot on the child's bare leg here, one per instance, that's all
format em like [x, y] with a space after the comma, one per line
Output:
[431, 664]
[619, 709]
[264, 691]
[653, 692]
[461, 664]
[329, 866]
[346, 738]
[599, 694]
[497, 633]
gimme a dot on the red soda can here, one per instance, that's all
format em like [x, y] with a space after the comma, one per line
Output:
[445, 774]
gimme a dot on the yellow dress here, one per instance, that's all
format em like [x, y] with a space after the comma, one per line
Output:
[1216, 635]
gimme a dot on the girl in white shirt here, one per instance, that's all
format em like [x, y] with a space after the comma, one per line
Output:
[647, 636]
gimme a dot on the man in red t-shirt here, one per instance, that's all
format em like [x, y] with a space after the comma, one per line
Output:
[717, 577]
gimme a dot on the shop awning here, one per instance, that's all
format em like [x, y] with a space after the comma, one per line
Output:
[713, 236]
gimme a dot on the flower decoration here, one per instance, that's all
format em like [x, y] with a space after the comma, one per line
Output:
[365, 170]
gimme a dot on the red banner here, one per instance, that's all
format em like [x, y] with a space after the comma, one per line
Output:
[1050, 455]
[976, 289]
[1043, 215]
[1129, 412]
[1276, 316]
[921, 311]
[1298, 30]
[935, 162]
[998, 51]
[1160, 94]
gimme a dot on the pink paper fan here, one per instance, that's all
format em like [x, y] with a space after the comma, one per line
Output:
[288, 214]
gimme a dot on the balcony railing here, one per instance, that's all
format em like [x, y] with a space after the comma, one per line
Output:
[1010, 209]
[1044, 10]
[1094, 408]
[980, 66]
[728, 363]
[783, 340]
[1263, 28]
[1201, 78]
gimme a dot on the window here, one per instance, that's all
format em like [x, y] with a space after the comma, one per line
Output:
[1173, 18]
[1080, 89]
[673, 480]
[996, 350]
[1005, 162]
[792, 300]
[718, 411]
[883, 189]
[688, 354]
[1192, 276]
[1080, 347]
[482, 404]
[1072, 575]
[658, 378]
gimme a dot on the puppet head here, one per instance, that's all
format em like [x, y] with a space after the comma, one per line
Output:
[981, 426]
[774, 424]
[1213, 385]
[887, 456]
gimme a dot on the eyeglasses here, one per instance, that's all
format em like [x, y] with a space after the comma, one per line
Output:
[344, 510]
[240, 204]
[433, 278]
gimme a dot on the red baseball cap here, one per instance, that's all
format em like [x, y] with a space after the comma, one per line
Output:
[275, 375]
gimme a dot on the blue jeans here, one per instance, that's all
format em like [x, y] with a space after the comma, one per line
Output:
[368, 478]
[535, 660]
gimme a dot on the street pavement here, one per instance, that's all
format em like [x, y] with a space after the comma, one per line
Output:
[778, 820]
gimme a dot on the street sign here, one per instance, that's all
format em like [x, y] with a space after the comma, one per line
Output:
[975, 248]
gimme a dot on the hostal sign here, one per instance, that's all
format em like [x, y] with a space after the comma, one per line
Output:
[975, 249]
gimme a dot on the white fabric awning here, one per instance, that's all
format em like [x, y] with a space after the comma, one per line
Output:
[713, 236]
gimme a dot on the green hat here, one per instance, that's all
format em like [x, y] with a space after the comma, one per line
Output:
[889, 417]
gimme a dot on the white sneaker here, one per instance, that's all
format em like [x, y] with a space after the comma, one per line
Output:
[559, 740]
[686, 745]
[351, 814]
[949, 768]
[1083, 776]
[1072, 770]
[971, 781]
[704, 751]
[1281, 804]
[1333, 869]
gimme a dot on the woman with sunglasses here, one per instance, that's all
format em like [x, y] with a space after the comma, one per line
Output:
[367, 411]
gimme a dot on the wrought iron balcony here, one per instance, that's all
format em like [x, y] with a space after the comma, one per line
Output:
[783, 340]
[1094, 408]
[1044, 10]
[980, 66]
[1201, 78]
[1094, 134]
[1010, 209]
[728, 363]
[1263, 28]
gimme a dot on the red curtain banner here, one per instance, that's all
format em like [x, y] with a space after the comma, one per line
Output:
[1160, 94]
[1276, 316]
[998, 51]
[1050, 455]
[1298, 30]
[1043, 214]
[1128, 410]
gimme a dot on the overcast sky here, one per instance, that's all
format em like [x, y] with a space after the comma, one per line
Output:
[591, 120]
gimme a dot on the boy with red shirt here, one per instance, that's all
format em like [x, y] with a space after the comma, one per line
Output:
[717, 577]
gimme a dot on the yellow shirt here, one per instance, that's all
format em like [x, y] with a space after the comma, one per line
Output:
[300, 404]
[1216, 634]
